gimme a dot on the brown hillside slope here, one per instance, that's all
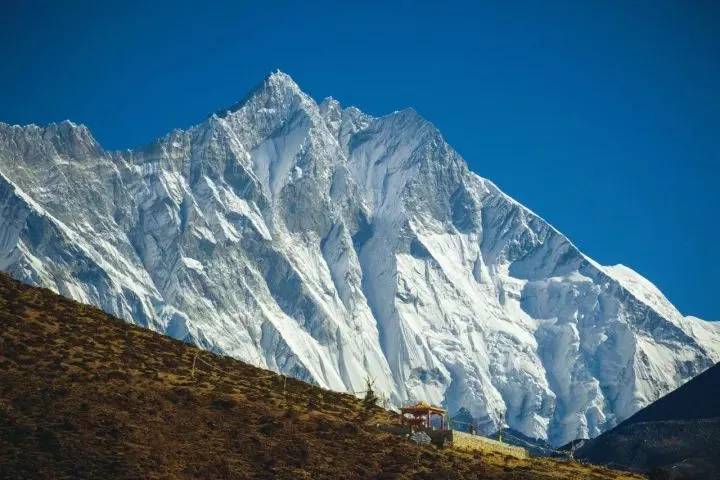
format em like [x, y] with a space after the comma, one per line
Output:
[84, 395]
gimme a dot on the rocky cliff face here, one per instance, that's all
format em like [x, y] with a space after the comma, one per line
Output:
[323, 243]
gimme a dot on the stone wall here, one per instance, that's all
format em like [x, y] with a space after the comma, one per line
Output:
[466, 441]
[461, 440]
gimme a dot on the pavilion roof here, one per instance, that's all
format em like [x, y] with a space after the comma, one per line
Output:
[421, 407]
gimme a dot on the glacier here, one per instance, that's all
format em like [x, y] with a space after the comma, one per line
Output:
[333, 246]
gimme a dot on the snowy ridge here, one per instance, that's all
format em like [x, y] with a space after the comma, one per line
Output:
[327, 244]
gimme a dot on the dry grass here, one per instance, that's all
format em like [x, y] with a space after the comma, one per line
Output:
[84, 395]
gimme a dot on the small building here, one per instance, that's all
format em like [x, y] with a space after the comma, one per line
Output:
[421, 414]
[418, 417]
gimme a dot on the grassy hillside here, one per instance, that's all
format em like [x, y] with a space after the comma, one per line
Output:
[84, 395]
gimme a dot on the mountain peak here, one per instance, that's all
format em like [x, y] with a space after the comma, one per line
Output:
[279, 78]
[277, 87]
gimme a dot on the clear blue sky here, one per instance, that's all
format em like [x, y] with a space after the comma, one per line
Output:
[603, 117]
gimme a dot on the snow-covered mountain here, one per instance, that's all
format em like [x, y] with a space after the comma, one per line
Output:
[333, 246]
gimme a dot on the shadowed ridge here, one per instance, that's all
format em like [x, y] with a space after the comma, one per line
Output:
[677, 436]
[695, 400]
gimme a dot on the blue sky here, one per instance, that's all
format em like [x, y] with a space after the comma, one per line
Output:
[603, 117]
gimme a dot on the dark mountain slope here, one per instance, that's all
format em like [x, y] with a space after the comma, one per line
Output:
[84, 395]
[676, 437]
[697, 399]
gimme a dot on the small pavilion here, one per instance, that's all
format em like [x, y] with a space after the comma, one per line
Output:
[421, 415]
